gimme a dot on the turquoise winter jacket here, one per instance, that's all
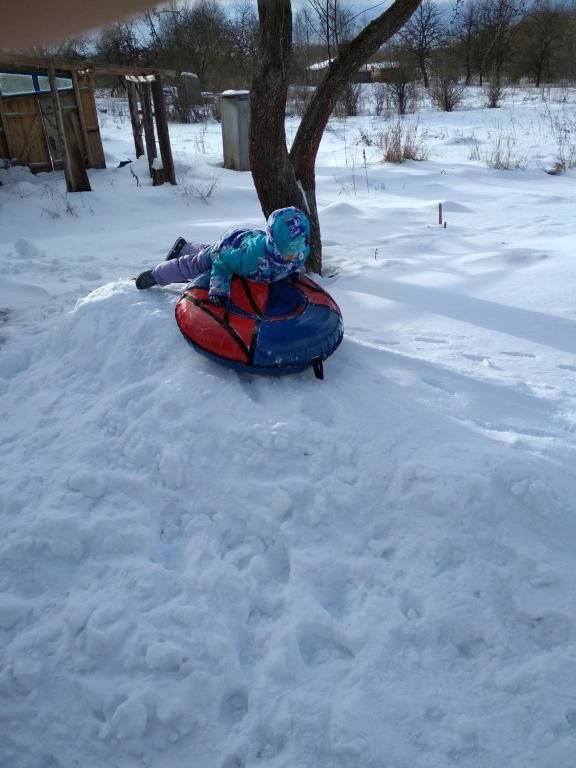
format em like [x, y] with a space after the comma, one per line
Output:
[244, 259]
[266, 256]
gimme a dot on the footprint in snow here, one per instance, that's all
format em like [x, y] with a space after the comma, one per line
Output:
[234, 708]
[411, 605]
[318, 645]
[550, 629]
[271, 747]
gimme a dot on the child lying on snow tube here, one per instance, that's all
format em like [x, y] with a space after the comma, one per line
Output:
[264, 256]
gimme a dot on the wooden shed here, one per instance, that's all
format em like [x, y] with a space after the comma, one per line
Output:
[49, 121]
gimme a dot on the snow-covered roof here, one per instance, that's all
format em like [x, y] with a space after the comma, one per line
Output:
[320, 65]
[382, 65]
[235, 93]
[364, 68]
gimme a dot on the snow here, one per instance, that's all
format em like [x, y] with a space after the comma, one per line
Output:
[201, 568]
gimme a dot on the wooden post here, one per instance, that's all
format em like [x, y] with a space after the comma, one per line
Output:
[135, 118]
[91, 119]
[162, 127]
[4, 126]
[82, 119]
[148, 122]
[75, 142]
[74, 170]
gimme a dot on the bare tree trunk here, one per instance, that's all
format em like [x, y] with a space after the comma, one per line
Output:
[423, 72]
[273, 174]
[539, 69]
[281, 179]
[468, 66]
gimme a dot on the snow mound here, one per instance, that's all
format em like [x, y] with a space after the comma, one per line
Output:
[200, 572]
[201, 568]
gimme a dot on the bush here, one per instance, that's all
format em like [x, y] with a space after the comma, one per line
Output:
[445, 89]
[562, 126]
[400, 87]
[494, 93]
[298, 99]
[503, 156]
[349, 103]
[402, 141]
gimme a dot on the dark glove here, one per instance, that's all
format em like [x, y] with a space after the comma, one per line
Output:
[145, 280]
[218, 300]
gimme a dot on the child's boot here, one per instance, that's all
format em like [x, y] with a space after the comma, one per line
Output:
[174, 252]
[145, 280]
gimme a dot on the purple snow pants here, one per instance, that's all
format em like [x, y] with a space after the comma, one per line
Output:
[193, 260]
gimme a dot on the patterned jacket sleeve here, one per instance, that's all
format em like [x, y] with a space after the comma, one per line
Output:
[229, 262]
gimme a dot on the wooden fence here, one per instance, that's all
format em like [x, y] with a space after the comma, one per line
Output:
[58, 128]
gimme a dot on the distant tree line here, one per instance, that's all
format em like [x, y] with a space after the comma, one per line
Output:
[494, 41]
[484, 42]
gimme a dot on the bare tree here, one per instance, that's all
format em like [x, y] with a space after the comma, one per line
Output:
[331, 20]
[496, 31]
[283, 178]
[421, 34]
[71, 48]
[541, 37]
[307, 48]
[400, 84]
[446, 88]
[464, 34]
[192, 37]
[242, 32]
[120, 43]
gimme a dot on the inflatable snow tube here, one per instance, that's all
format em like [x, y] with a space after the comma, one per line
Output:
[267, 328]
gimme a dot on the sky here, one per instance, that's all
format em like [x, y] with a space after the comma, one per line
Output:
[209, 568]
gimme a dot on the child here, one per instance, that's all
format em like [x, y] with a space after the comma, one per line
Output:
[264, 256]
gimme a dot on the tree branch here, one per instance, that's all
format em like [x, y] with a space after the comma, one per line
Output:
[350, 57]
